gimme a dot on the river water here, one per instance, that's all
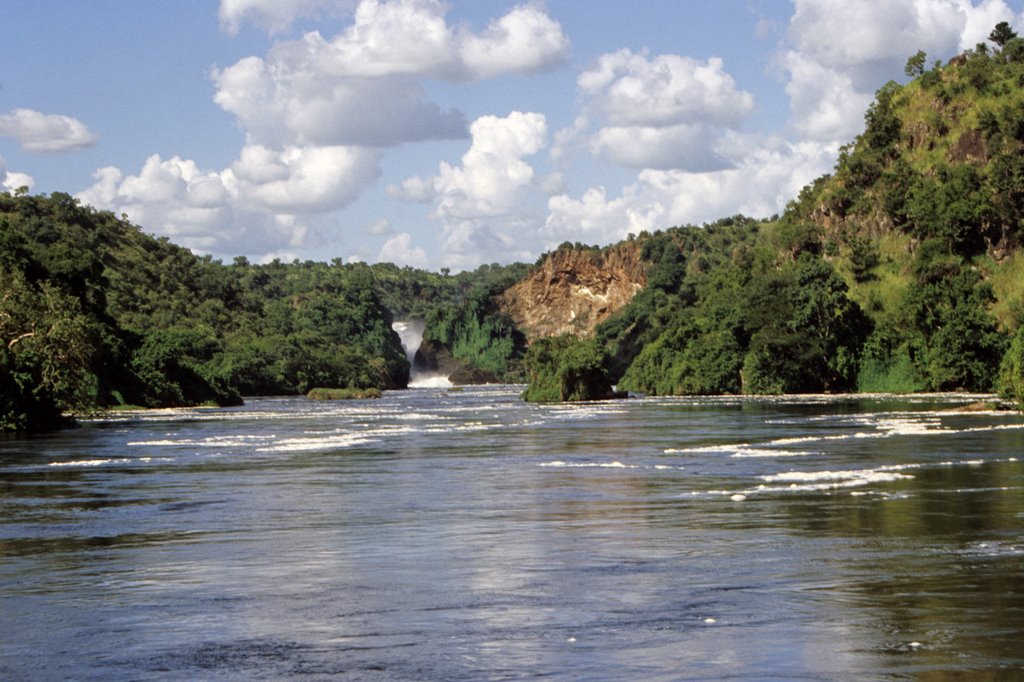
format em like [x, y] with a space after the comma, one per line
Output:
[440, 534]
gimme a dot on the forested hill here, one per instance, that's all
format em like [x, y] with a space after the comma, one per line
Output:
[902, 271]
[95, 313]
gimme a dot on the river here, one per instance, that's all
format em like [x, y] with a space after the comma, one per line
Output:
[444, 534]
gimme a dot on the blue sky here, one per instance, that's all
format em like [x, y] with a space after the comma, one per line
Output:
[446, 134]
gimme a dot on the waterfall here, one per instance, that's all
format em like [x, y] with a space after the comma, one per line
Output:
[411, 334]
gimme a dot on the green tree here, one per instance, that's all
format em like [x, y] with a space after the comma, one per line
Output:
[947, 307]
[566, 369]
[47, 347]
[915, 65]
[1011, 371]
[1002, 34]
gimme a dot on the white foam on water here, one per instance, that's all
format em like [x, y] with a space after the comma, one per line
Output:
[317, 443]
[742, 450]
[744, 453]
[431, 381]
[239, 440]
[994, 427]
[827, 484]
[584, 410]
[861, 476]
[450, 428]
[995, 548]
[883, 425]
[418, 416]
[559, 464]
[90, 462]
[731, 448]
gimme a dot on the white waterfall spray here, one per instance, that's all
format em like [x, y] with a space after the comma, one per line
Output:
[411, 334]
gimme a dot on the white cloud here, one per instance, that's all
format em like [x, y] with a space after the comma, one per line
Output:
[408, 37]
[255, 206]
[632, 89]
[279, 105]
[362, 86]
[380, 227]
[38, 132]
[483, 202]
[523, 41]
[659, 112]
[399, 250]
[11, 181]
[273, 15]
[766, 175]
[824, 103]
[303, 179]
[493, 175]
[413, 38]
[679, 146]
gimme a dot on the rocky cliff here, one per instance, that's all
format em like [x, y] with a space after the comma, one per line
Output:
[574, 290]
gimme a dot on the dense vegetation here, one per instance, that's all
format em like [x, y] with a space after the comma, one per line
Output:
[94, 313]
[565, 368]
[902, 271]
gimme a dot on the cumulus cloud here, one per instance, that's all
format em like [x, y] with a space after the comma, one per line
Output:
[281, 107]
[362, 87]
[256, 205]
[766, 174]
[493, 174]
[38, 132]
[841, 52]
[824, 103]
[633, 89]
[523, 41]
[11, 181]
[380, 227]
[303, 179]
[660, 112]
[679, 146]
[399, 250]
[272, 15]
[482, 201]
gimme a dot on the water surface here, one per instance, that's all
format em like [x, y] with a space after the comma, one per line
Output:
[438, 534]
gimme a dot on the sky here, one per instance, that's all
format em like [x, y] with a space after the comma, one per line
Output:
[446, 134]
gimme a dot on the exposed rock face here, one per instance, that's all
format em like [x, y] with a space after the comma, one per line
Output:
[573, 291]
[970, 147]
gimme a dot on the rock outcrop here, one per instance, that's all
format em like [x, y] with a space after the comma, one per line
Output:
[574, 290]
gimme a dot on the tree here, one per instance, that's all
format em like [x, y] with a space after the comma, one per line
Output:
[1002, 34]
[46, 353]
[947, 309]
[915, 65]
[1011, 371]
[565, 368]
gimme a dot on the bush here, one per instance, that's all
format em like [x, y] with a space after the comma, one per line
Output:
[566, 369]
[344, 393]
[1011, 371]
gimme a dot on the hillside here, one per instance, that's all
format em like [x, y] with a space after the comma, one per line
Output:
[902, 271]
[94, 313]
